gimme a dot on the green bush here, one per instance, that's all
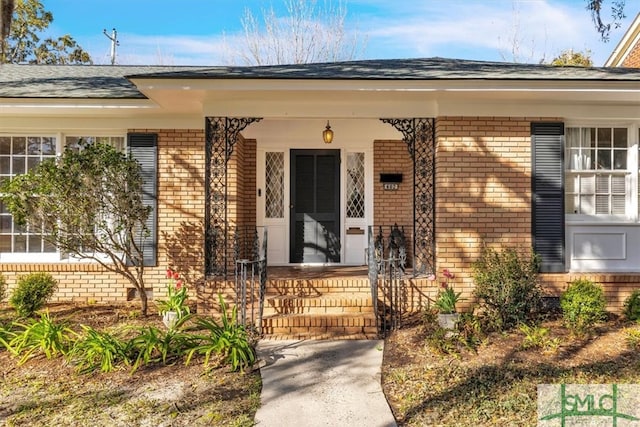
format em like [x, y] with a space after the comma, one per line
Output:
[583, 305]
[506, 284]
[32, 292]
[632, 306]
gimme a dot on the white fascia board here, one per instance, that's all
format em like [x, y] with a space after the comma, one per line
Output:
[198, 86]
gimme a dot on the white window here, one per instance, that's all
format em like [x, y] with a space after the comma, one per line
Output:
[598, 175]
[18, 155]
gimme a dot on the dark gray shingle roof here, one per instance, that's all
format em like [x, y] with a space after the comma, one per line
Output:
[106, 81]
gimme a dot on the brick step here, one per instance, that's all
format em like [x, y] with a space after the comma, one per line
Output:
[304, 287]
[323, 326]
[324, 304]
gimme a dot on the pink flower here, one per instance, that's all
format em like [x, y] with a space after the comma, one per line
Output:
[169, 273]
[176, 276]
[446, 273]
[179, 284]
[443, 285]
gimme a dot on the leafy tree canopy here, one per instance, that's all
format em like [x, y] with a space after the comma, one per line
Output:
[22, 42]
[598, 9]
[570, 57]
[89, 204]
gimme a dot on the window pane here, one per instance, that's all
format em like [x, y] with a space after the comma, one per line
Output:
[49, 146]
[587, 184]
[5, 243]
[274, 185]
[5, 145]
[620, 159]
[620, 138]
[35, 243]
[19, 145]
[5, 165]
[618, 205]
[587, 205]
[33, 146]
[5, 224]
[18, 165]
[602, 184]
[48, 247]
[602, 205]
[32, 162]
[618, 185]
[604, 137]
[20, 243]
[604, 159]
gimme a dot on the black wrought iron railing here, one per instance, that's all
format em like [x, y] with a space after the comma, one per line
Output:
[251, 282]
[387, 267]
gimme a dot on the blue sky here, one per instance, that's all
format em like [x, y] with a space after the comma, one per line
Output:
[201, 32]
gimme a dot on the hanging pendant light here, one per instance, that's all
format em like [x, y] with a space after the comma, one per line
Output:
[327, 134]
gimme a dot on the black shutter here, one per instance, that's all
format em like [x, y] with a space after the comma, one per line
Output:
[547, 222]
[144, 148]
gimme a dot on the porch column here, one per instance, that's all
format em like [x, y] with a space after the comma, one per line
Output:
[221, 134]
[419, 135]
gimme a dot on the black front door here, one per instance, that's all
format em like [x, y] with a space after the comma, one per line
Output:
[315, 206]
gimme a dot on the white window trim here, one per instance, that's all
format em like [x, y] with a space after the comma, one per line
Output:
[633, 170]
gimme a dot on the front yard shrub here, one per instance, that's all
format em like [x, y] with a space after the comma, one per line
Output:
[632, 306]
[98, 350]
[583, 305]
[40, 336]
[228, 340]
[506, 284]
[32, 292]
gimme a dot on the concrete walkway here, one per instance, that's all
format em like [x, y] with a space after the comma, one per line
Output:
[322, 383]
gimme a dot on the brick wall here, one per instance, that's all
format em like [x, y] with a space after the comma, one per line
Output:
[483, 190]
[633, 59]
[392, 206]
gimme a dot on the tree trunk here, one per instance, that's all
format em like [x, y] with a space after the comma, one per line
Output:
[143, 301]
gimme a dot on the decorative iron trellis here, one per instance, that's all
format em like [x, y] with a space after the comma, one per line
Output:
[221, 135]
[419, 135]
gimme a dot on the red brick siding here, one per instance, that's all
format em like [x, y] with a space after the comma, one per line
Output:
[633, 59]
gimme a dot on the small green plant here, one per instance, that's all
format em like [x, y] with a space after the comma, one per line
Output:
[228, 340]
[153, 345]
[632, 306]
[447, 298]
[632, 337]
[32, 292]
[98, 350]
[40, 336]
[507, 286]
[176, 296]
[538, 337]
[3, 287]
[583, 305]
